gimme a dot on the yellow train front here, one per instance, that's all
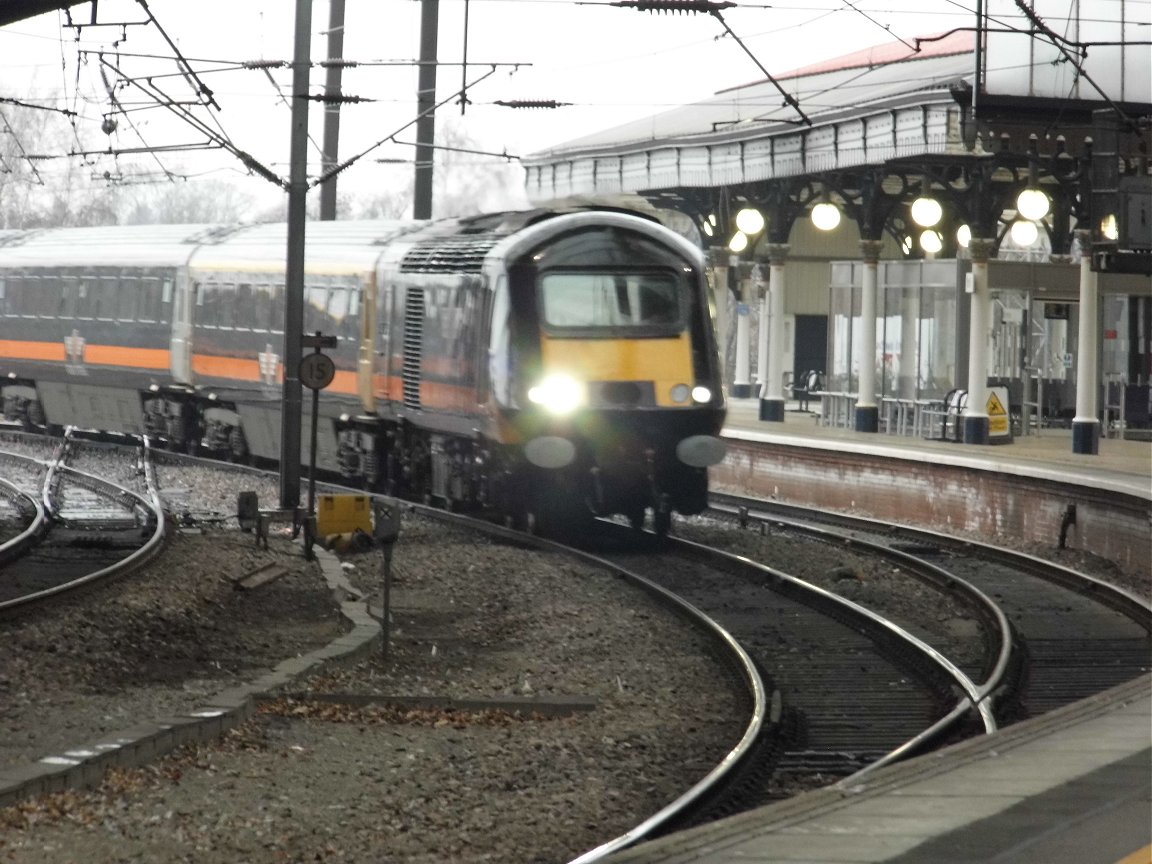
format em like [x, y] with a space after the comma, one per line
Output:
[595, 369]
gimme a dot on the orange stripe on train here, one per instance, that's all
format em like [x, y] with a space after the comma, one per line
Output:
[53, 352]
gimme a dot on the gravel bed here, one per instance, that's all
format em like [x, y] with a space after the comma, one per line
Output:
[307, 782]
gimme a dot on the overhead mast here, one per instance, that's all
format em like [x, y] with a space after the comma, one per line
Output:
[426, 106]
[294, 264]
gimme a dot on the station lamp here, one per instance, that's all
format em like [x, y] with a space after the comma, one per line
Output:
[926, 210]
[750, 221]
[825, 216]
[963, 236]
[931, 241]
[1032, 204]
[1024, 232]
[738, 243]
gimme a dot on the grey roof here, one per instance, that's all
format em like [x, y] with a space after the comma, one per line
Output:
[864, 108]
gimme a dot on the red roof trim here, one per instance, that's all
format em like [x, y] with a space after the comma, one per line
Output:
[959, 42]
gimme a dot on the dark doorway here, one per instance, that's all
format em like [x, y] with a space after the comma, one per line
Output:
[811, 351]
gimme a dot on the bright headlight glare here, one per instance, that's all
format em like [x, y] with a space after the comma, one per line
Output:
[701, 394]
[557, 394]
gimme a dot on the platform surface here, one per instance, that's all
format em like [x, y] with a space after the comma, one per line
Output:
[1071, 787]
[1123, 465]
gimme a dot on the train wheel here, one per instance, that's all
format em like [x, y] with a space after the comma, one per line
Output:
[662, 522]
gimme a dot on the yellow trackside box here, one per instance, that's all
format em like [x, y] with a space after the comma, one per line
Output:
[343, 514]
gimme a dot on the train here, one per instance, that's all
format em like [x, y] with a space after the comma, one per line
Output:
[552, 365]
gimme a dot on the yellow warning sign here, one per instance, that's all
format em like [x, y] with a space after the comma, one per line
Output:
[998, 423]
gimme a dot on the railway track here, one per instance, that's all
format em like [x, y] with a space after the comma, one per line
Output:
[1072, 635]
[858, 691]
[80, 528]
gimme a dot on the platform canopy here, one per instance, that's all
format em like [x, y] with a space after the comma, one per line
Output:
[970, 117]
[17, 10]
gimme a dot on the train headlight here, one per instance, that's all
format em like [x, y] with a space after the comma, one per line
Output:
[701, 394]
[558, 394]
[681, 393]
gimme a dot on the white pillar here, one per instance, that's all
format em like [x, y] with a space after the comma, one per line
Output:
[867, 410]
[761, 287]
[976, 412]
[742, 384]
[772, 393]
[1086, 423]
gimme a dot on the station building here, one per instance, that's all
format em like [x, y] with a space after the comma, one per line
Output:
[961, 224]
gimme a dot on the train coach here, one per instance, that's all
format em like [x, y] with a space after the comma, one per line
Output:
[550, 364]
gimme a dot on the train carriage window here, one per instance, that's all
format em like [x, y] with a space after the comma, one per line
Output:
[338, 304]
[84, 299]
[126, 298]
[36, 294]
[53, 299]
[277, 318]
[242, 303]
[18, 295]
[148, 300]
[315, 308]
[207, 294]
[3, 296]
[70, 290]
[40, 297]
[15, 294]
[166, 291]
[262, 308]
[105, 298]
[226, 306]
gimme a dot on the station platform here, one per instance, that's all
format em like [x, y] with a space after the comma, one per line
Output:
[1071, 787]
[1121, 464]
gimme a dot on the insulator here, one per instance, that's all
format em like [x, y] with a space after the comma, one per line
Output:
[686, 6]
[266, 64]
[338, 99]
[531, 103]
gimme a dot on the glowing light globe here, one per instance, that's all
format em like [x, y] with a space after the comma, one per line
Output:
[1032, 204]
[825, 216]
[931, 242]
[926, 212]
[750, 221]
[1024, 232]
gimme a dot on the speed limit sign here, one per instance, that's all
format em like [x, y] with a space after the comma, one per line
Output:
[317, 371]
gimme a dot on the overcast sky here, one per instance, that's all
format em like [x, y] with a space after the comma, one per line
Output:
[613, 64]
